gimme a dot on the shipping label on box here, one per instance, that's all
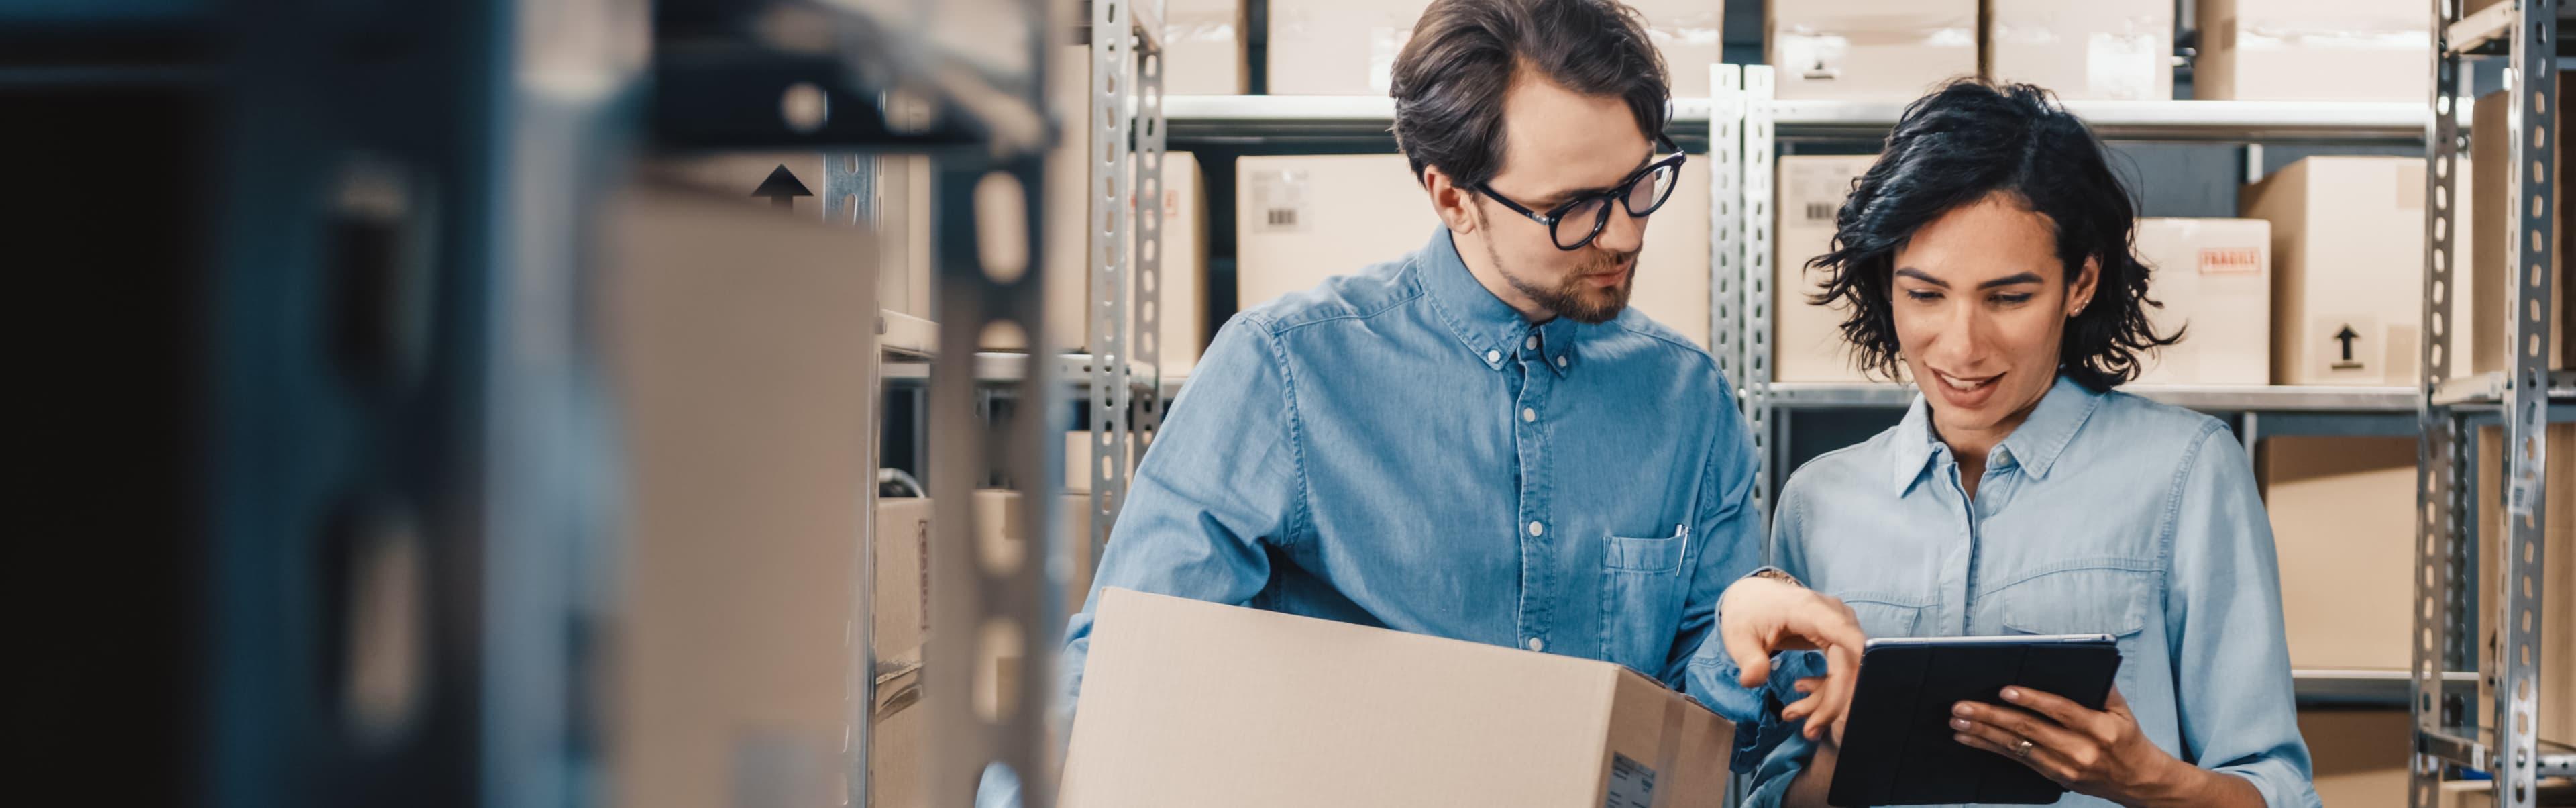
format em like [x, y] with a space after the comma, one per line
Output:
[1807, 339]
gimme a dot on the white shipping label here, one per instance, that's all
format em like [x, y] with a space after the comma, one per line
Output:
[1279, 201]
[1816, 191]
[2123, 66]
[1632, 784]
[1811, 57]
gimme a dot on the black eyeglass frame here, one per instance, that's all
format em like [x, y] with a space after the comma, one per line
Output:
[1617, 193]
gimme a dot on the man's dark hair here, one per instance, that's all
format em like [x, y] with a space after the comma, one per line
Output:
[1450, 80]
[1955, 147]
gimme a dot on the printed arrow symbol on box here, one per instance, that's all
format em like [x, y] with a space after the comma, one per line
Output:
[782, 188]
[2346, 336]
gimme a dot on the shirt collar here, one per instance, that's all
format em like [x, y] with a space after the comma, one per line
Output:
[1493, 332]
[2035, 445]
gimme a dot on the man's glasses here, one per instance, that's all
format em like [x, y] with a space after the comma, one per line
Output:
[1578, 222]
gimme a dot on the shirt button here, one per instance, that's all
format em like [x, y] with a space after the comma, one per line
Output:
[1560, 361]
[1528, 415]
[1536, 644]
[1493, 356]
[1531, 343]
[1536, 528]
[2003, 456]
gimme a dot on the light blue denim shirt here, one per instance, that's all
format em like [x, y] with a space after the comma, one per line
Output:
[2101, 513]
[1399, 448]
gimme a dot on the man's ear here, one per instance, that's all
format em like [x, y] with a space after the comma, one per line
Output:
[1454, 205]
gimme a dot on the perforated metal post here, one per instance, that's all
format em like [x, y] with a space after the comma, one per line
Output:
[1759, 152]
[2438, 532]
[1113, 210]
[2534, 168]
[1148, 411]
[1726, 223]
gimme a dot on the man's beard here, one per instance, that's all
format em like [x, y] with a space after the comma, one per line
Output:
[1574, 297]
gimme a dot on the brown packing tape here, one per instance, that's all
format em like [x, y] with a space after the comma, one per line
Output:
[1668, 751]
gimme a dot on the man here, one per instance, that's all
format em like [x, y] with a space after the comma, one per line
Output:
[1480, 440]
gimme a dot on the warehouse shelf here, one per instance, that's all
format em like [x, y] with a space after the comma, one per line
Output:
[2482, 33]
[2475, 750]
[902, 335]
[1201, 117]
[2267, 121]
[2488, 388]
[1005, 367]
[2341, 687]
[2249, 398]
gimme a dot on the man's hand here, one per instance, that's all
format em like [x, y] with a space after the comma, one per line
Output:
[1761, 616]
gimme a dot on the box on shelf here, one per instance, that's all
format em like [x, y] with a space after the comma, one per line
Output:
[730, 328]
[1203, 48]
[1870, 50]
[764, 180]
[2557, 613]
[2342, 524]
[2490, 267]
[1363, 716]
[1807, 341]
[897, 740]
[2100, 49]
[1066, 253]
[1301, 219]
[2347, 268]
[1349, 47]
[2314, 50]
[998, 529]
[1181, 308]
[2214, 277]
[902, 579]
[2359, 756]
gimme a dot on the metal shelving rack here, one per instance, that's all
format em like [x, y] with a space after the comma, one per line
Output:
[2525, 33]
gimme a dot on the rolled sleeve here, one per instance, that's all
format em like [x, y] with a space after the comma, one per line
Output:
[2231, 657]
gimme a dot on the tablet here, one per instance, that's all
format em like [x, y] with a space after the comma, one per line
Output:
[1897, 745]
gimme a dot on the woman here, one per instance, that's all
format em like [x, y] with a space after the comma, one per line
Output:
[1986, 255]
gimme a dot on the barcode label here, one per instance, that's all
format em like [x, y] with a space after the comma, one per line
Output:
[1632, 784]
[1820, 211]
[1280, 197]
[1282, 218]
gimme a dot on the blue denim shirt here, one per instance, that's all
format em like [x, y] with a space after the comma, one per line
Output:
[1400, 448]
[2101, 513]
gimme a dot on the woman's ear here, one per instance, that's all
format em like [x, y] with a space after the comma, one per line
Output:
[1454, 205]
[2079, 294]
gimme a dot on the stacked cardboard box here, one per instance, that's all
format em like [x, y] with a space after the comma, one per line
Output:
[731, 329]
[1349, 47]
[1807, 340]
[2214, 277]
[2556, 690]
[1203, 51]
[1876, 50]
[2341, 510]
[2490, 186]
[2314, 50]
[2359, 756]
[2347, 268]
[1306, 218]
[2101, 49]
[1349, 715]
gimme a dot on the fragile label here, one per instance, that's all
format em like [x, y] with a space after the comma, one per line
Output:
[1632, 784]
[1279, 201]
[2231, 261]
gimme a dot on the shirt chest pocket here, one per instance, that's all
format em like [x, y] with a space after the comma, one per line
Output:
[1643, 582]
[1883, 614]
[2114, 598]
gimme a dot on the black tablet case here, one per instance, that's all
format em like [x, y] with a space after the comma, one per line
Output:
[1897, 747]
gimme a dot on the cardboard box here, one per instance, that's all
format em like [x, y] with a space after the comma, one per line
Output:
[902, 579]
[2214, 277]
[1348, 715]
[1871, 50]
[2557, 613]
[729, 330]
[1807, 339]
[2342, 522]
[902, 223]
[905, 272]
[2359, 756]
[1203, 51]
[2314, 50]
[998, 526]
[897, 741]
[2347, 268]
[2099, 49]
[1182, 327]
[1302, 219]
[1349, 47]
[2491, 267]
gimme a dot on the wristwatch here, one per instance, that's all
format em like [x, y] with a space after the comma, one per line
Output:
[1775, 573]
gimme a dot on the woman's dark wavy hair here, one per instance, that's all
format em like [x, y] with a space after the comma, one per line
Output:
[1968, 140]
